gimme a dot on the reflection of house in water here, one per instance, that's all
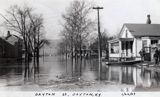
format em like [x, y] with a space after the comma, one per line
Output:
[132, 38]
[10, 47]
[149, 78]
[133, 75]
[123, 75]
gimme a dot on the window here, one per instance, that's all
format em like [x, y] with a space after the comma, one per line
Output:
[115, 47]
[144, 43]
[123, 45]
[154, 42]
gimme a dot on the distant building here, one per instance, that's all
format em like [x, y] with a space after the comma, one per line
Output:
[11, 46]
[132, 39]
[5, 49]
[17, 42]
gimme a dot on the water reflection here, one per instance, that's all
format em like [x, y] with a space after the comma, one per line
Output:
[53, 66]
[10, 72]
[121, 74]
[133, 75]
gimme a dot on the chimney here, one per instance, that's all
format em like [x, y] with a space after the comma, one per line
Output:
[148, 19]
[8, 34]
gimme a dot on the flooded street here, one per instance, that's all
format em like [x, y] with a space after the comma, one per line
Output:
[54, 74]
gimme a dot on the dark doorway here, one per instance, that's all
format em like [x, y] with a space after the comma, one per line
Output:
[147, 55]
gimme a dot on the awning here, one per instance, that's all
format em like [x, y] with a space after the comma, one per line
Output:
[126, 39]
[113, 40]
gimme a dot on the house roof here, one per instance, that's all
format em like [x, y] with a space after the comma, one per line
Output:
[113, 40]
[12, 39]
[144, 29]
[2, 42]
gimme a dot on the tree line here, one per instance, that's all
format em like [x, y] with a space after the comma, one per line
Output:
[77, 28]
[78, 25]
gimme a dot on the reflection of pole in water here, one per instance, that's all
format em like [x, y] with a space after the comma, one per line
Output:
[120, 75]
[109, 73]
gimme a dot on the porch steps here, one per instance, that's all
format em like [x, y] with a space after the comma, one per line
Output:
[131, 62]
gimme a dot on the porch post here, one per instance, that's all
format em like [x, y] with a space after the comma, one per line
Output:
[136, 46]
[125, 48]
[129, 48]
[109, 50]
[120, 49]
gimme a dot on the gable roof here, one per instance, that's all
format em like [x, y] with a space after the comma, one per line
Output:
[12, 39]
[144, 29]
[4, 42]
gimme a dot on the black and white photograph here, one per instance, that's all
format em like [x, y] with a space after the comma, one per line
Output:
[79, 48]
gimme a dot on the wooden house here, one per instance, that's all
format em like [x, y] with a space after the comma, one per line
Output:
[133, 38]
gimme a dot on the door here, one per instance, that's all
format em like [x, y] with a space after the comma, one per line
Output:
[129, 45]
[147, 55]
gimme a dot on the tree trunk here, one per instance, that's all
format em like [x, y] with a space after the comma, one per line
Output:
[72, 61]
[66, 60]
[80, 59]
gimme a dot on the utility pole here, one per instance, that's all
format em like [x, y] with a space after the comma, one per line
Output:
[99, 42]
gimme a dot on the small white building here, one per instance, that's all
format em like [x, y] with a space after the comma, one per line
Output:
[133, 38]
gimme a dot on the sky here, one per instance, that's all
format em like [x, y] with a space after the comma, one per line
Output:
[112, 17]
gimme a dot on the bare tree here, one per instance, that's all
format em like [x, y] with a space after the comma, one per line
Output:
[29, 26]
[105, 37]
[77, 25]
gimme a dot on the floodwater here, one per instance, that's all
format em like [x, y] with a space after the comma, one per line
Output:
[52, 67]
